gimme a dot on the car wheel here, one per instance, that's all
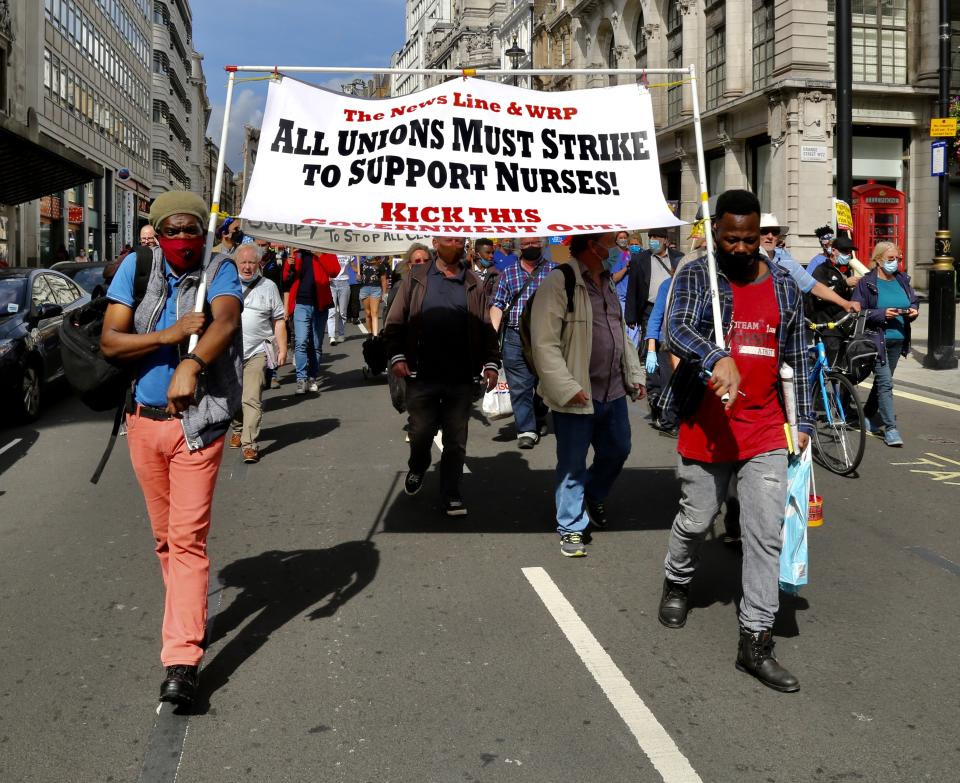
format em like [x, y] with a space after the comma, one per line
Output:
[30, 393]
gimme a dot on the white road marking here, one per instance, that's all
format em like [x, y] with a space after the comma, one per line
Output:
[651, 736]
[438, 442]
[10, 445]
[950, 406]
[363, 328]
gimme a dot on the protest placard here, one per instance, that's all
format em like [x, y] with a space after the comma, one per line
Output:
[467, 158]
[351, 241]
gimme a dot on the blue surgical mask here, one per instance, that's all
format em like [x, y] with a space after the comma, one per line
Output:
[486, 263]
[635, 248]
[843, 259]
[891, 267]
[655, 245]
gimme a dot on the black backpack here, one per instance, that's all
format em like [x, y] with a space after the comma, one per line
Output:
[526, 341]
[100, 384]
[859, 354]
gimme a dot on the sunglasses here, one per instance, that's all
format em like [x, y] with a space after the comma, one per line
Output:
[774, 231]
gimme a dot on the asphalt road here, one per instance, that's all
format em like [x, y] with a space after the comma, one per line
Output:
[356, 635]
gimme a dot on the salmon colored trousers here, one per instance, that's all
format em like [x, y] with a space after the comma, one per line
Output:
[178, 486]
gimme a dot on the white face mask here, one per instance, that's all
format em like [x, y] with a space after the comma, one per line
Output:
[891, 266]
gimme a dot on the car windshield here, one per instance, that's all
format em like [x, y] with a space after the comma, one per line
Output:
[12, 295]
[88, 279]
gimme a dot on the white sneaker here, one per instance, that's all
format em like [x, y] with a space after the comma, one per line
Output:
[312, 385]
[333, 341]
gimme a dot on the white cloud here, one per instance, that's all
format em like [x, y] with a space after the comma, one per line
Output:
[246, 109]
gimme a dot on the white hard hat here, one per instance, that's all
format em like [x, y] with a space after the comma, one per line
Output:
[768, 220]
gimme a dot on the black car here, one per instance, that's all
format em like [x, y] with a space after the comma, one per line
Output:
[33, 303]
[90, 277]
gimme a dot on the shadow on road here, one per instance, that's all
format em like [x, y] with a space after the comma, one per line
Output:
[505, 496]
[17, 443]
[275, 587]
[284, 435]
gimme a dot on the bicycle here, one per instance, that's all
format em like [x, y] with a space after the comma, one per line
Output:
[839, 435]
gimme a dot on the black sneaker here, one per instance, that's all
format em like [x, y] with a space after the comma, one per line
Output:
[180, 685]
[454, 507]
[598, 514]
[527, 440]
[571, 545]
[413, 483]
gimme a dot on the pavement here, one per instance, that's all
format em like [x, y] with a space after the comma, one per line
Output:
[912, 374]
[356, 635]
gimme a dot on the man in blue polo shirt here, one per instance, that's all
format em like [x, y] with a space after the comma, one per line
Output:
[181, 409]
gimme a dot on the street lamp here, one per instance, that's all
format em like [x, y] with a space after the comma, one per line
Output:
[516, 54]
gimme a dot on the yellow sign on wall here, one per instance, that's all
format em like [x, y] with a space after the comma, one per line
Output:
[945, 127]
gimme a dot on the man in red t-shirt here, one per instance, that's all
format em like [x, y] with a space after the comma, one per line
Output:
[742, 437]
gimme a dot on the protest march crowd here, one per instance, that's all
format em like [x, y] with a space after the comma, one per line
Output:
[565, 345]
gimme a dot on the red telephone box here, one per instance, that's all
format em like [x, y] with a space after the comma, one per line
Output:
[879, 215]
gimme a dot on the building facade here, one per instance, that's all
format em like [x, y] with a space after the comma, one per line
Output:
[179, 101]
[424, 20]
[94, 96]
[229, 204]
[517, 30]
[766, 87]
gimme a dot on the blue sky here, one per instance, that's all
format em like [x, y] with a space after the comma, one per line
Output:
[287, 32]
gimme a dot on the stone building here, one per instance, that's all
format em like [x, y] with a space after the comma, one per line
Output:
[765, 72]
[229, 203]
[424, 19]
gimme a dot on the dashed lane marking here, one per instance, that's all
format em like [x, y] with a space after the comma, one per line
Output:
[10, 445]
[363, 328]
[653, 739]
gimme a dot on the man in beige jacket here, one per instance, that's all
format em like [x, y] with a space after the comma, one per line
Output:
[587, 367]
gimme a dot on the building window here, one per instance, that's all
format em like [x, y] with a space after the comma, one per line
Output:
[763, 41]
[641, 52]
[674, 58]
[716, 66]
[879, 40]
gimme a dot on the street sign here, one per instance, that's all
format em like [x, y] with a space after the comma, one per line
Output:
[943, 127]
[813, 153]
[843, 215]
[938, 158]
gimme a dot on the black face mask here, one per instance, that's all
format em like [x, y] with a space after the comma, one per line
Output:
[736, 266]
[237, 237]
[530, 253]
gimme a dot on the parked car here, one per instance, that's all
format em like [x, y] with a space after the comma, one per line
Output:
[33, 303]
[90, 277]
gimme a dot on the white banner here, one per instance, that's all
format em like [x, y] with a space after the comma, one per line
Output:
[350, 241]
[467, 158]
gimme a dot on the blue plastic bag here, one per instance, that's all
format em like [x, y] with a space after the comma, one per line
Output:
[794, 559]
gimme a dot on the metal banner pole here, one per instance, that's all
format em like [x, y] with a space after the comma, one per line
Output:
[215, 206]
[707, 224]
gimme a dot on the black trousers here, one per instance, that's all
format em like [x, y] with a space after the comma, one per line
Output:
[433, 406]
[353, 307]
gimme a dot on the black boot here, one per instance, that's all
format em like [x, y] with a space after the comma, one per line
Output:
[180, 684]
[673, 604]
[755, 656]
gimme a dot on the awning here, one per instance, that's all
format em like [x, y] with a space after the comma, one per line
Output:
[33, 165]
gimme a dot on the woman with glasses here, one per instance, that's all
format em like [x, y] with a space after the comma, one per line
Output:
[891, 305]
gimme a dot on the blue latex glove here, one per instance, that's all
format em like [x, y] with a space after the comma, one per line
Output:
[651, 363]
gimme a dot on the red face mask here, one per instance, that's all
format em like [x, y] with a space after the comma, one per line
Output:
[183, 253]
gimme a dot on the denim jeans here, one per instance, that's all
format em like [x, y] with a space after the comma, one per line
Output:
[881, 394]
[307, 339]
[528, 408]
[762, 491]
[607, 429]
[336, 321]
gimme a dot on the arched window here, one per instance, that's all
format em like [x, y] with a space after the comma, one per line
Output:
[641, 41]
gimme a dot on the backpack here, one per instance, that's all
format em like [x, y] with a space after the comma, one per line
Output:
[526, 341]
[100, 384]
[859, 354]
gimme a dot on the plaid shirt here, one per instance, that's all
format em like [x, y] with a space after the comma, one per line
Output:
[690, 331]
[512, 280]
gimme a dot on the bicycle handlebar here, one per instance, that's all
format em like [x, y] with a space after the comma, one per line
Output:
[833, 324]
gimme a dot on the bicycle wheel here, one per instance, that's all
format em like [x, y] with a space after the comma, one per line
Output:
[838, 436]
